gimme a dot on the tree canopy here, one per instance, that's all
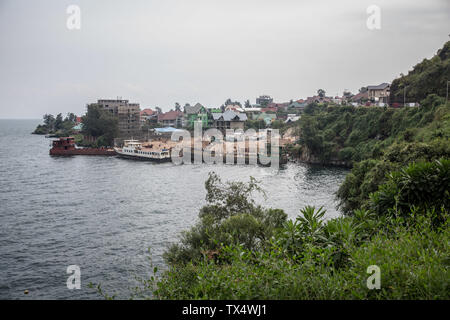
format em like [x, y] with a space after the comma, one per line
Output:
[101, 125]
[427, 77]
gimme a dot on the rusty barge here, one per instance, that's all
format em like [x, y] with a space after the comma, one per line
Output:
[66, 147]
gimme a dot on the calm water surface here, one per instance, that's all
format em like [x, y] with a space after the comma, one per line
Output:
[104, 213]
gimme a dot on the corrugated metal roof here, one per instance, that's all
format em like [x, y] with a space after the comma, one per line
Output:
[193, 109]
[378, 87]
[230, 115]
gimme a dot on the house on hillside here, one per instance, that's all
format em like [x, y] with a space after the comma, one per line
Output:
[338, 100]
[278, 106]
[195, 113]
[318, 99]
[270, 109]
[171, 119]
[299, 105]
[379, 93]
[77, 128]
[252, 112]
[147, 115]
[229, 120]
[360, 99]
[268, 118]
[264, 100]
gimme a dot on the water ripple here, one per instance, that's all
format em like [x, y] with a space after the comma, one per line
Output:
[104, 213]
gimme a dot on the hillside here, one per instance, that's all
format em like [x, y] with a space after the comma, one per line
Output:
[346, 135]
[427, 77]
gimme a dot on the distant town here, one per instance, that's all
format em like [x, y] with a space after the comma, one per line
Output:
[232, 114]
[264, 113]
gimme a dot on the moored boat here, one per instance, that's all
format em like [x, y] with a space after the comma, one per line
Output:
[66, 147]
[133, 149]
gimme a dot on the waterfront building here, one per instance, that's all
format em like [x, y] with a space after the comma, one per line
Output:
[128, 115]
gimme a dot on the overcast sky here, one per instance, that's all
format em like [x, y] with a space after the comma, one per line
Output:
[160, 52]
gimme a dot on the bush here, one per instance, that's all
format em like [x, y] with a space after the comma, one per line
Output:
[241, 251]
[413, 261]
[423, 185]
[346, 154]
[230, 217]
[366, 176]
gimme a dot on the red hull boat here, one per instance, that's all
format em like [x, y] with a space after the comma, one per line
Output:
[66, 147]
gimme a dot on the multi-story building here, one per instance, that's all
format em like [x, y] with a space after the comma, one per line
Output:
[128, 115]
[195, 113]
[264, 100]
[229, 120]
[379, 93]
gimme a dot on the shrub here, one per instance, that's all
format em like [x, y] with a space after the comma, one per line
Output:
[424, 185]
[413, 261]
[346, 154]
[229, 217]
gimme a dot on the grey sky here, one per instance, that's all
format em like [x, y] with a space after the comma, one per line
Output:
[161, 52]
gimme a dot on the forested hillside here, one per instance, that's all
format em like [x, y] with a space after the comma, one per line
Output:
[427, 77]
[347, 134]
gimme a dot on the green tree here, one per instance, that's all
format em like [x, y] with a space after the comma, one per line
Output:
[427, 77]
[71, 117]
[49, 121]
[58, 121]
[229, 217]
[101, 125]
[321, 93]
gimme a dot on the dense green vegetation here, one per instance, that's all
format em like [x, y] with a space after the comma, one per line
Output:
[419, 134]
[99, 125]
[242, 251]
[395, 200]
[348, 134]
[230, 218]
[57, 126]
[427, 77]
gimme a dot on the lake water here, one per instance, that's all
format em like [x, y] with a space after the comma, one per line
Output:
[103, 214]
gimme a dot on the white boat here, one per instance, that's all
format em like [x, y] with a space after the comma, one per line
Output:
[133, 149]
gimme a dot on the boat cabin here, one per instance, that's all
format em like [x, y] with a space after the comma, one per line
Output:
[66, 143]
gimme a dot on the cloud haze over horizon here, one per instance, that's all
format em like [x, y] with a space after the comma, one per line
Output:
[157, 53]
